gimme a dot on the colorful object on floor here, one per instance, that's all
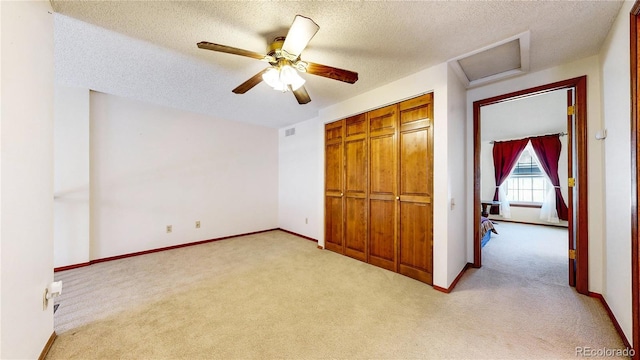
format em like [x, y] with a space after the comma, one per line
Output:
[486, 228]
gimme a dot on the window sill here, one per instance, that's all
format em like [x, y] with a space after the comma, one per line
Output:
[526, 205]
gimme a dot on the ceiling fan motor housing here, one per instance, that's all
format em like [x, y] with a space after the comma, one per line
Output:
[275, 47]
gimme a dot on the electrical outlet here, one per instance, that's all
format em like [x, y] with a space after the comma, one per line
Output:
[169, 228]
[197, 224]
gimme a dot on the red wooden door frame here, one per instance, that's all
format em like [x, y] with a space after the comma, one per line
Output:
[571, 191]
[579, 207]
[635, 173]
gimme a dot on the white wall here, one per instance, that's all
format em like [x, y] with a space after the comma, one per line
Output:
[615, 97]
[591, 67]
[71, 176]
[459, 179]
[434, 79]
[26, 177]
[153, 166]
[299, 179]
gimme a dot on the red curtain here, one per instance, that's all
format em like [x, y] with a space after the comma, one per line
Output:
[505, 157]
[547, 149]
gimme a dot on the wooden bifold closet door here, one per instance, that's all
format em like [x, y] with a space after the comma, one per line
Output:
[333, 173]
[416, 177]
[378, 187]
[383, 187]
[355, 167]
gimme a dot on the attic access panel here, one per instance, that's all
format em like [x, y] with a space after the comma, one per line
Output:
[504, 59]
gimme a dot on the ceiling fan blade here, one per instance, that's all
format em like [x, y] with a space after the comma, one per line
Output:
[247, 85]
[232, 50]
[301, 95]
[299, 35]
[332, 72]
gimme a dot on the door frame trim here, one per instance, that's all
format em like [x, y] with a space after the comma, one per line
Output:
[581, 218]
[635, 185]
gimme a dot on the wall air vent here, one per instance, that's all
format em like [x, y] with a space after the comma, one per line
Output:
[290, 132]
[498, 61]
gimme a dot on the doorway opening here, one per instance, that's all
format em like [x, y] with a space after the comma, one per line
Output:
[577, 173]
[529, 234]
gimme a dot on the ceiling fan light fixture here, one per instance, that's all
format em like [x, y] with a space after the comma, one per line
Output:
[289, 76]
[280, 79]
[272, 77]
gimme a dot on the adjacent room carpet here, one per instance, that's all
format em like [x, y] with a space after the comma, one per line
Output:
[534, 252]
[276, 296]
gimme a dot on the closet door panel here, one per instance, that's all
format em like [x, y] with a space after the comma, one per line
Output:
[382, 173]
[356, 228]
[333, 232]
[356, 126]
[416, 256]
[381, 228]
[383, 120]
[333, 168]
[383, 184]
[356, 167]
[334, 187]
[416, 112]
[416, 174]
[355, 148]
[414, 163]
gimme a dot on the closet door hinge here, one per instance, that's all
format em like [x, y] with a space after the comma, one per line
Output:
[572, 182]
[571, 110]
[572, 254]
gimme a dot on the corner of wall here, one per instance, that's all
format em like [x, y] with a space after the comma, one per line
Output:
[458, 220]
[26, 242]
[300, 178]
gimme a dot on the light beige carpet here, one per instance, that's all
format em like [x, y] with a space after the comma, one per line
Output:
[276, 296]
[532, 251]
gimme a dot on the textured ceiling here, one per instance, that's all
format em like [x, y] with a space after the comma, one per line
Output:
[150, 51]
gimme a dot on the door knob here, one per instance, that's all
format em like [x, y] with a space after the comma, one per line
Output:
[397, 197]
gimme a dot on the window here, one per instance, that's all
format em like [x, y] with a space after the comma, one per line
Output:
[527, 183]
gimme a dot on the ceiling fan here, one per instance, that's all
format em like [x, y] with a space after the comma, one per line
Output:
[283, 55]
